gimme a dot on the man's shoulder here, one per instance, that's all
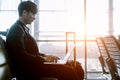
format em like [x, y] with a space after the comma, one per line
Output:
[16, 27]
[15, 30]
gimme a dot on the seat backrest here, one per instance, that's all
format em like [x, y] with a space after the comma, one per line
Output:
[103, 55]
[113, 49]
[5, 73]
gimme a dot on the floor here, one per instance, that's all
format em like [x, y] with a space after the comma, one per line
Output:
[97, 76]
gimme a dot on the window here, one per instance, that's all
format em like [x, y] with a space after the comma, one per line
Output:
[59, 16]
[8, 13]
[116, 16]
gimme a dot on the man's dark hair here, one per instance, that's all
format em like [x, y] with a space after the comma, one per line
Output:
[28, 6]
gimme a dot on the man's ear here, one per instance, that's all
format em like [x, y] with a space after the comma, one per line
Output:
[25, 12]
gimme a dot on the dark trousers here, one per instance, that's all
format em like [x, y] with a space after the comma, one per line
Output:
[59, 71]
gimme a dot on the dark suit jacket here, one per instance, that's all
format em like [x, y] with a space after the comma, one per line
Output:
[22, 49]
[28, 62]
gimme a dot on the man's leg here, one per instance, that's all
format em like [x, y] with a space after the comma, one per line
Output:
[62, 72]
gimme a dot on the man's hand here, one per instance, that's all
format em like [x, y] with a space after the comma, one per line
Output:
[51, 58]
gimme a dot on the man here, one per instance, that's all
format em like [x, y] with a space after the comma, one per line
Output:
[26, 59]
